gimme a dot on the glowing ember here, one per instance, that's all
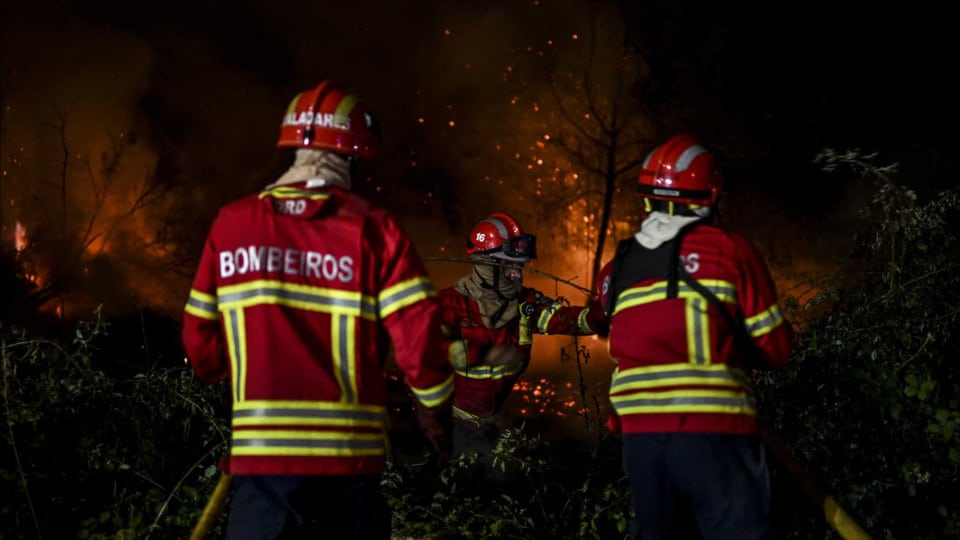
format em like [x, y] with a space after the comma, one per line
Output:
[20, 237]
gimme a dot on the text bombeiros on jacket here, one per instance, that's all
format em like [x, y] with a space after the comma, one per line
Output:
[289, 261]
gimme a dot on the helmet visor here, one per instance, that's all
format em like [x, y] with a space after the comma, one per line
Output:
[520, 248]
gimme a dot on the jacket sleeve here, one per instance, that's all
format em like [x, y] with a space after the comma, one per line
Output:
[554, 316]
[409, 310]
[763, 317]
[203, 339]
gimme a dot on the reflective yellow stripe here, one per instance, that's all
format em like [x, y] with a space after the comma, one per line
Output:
[305, 443]
[401, 295]
[671, 375]
[202, 305]
[765, 321]
[292, 108]
[346, 105]
[309, 298]
[582, 323]
[543, 322]
[698, 331]
[435, 395]
[237, 348]
[487, 372]
[308, 413]
[526, 332]
[287, 192]
[342, 349]
[657, 291]
[685, 401]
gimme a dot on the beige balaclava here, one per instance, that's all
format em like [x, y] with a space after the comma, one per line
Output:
[319, 168]
[499, 305]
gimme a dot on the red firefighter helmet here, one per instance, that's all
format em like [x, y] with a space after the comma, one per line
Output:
[500, 236]
[328, 118]
[681, 170]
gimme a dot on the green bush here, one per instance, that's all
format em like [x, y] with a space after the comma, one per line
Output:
[92, 454]
[870, 401]
[574, 492]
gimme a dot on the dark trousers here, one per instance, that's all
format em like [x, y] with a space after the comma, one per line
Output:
[268, 507]
[697, 485]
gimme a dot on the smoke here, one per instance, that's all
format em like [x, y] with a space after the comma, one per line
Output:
[166, 115]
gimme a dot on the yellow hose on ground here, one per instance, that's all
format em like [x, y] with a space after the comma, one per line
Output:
[211, 513]
[835, 516]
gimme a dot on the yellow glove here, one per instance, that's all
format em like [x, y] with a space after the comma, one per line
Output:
[458, 354]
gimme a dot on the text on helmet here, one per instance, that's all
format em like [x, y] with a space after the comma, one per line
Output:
[289, 261]
[326, 120]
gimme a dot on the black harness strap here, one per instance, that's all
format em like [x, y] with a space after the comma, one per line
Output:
[633, 263]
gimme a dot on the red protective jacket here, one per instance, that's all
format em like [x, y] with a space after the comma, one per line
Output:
[677, 366]
[481, 390]
[297, 298]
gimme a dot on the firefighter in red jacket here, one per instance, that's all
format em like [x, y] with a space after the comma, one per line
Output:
[693, 309]
[300, 291]
[493, 319]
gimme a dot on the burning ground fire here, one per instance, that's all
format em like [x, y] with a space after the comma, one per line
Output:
[545, 397]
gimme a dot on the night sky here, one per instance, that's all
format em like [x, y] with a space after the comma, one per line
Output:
[126, 125]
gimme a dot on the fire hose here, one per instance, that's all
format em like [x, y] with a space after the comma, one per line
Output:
[834, 514]
[211, 512]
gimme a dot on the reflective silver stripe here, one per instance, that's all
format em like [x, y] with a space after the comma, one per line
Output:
[543, 322]
[703, 377]
[736, 402]
[286, 294]
[687, 157]
[699, 332]
[501, 228]
[335, 443]
[343, 357]
[764, 322]
[486, 372]
[435, 395]
[634, 294]
[658, 291]
[421, 288]
[201, 305]
[582, 323]
[306, 412]
[237, 350]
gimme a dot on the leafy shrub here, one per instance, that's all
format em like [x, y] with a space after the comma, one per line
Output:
[871, 402]
[547, 492]
[95, 454]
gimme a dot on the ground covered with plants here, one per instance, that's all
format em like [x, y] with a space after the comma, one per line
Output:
[106, 434]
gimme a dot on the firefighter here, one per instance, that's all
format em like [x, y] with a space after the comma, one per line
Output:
[693, 310]
[300, 291]
[492, 318]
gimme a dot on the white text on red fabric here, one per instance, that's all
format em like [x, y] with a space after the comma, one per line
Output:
[272, 259]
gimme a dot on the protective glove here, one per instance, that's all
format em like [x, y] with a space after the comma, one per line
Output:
[504, 355]
[459, 354]
[436, 423]
[534, 303]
